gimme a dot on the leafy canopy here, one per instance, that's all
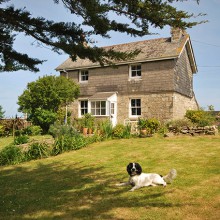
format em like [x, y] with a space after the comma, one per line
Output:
[48, 92]
[42, 98]
[98, 17]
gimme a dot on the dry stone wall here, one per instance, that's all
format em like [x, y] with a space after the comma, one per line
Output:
[192, 131]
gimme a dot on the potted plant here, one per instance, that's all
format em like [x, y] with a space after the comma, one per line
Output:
[142, 126]
[87, 123]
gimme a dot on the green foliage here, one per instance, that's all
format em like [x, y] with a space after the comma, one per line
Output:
[68, 143]
[43, 98]
[121, 131]
[142, 123]
[38, 151]
[95, 16]
[32, 130]
[88, 121]
[22, 139]
[179, 124]
[58, 130]
[1, 112]
[11, 155]
[106, 128]
[200, 117]
[43, 118]
[153, 124]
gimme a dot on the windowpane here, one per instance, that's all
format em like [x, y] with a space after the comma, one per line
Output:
[98, 111]
[133, 102]
[93, 111]
[103, 112]
[92, 104]
[133, 111]
[138, 111]
[103, 104]
[112, 108]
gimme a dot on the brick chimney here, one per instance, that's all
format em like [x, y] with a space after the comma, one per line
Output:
[176, 34]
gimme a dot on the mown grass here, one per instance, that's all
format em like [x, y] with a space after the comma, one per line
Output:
[81, 184]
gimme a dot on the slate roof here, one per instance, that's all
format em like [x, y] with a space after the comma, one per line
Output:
[155, 49]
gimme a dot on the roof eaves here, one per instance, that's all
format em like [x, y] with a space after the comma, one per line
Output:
[187, 44]
[119, 63]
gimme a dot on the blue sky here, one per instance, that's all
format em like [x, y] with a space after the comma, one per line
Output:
[205, 41]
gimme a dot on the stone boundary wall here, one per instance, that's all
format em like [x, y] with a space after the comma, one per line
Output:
[193, 131]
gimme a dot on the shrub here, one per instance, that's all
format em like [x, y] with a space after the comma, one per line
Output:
[32, 130]
[67, 143]
[178, 124]
[59, 130]
[153, 124]
[127, 131]
[121, 131]
[118, 131]
[11, 155]
[200, 117]
[142, 123]
[106, 128]
[38, 151]
[23, 139]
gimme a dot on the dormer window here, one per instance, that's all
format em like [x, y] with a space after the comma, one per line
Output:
[84, 76]
[135, 71]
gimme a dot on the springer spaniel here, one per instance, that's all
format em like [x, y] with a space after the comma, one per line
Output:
[138, 179]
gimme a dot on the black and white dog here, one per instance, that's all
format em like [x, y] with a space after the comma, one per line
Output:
[138, 179]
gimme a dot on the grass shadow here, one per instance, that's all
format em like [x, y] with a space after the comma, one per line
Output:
[74, 191]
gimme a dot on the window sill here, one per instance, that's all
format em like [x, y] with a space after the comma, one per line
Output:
[83, 82]
[135, 79]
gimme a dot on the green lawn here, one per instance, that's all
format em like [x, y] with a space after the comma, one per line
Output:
[81, 184]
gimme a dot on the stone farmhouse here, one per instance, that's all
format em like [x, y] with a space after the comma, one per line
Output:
[157, 83]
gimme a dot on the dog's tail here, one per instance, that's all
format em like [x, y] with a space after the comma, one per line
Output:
[170, 176]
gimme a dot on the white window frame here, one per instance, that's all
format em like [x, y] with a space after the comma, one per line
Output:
[136, 76]
[99, 108]
[84, 73]
[84, 108]
[135, 107]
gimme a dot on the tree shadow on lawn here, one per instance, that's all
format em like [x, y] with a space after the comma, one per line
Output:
[57, 191]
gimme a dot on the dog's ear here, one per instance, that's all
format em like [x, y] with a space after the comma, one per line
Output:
[129, 166]
[139, 168]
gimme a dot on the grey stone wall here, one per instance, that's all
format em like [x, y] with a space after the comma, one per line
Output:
[181, 104]
[165, 88]
[156, 77]
[183, 76]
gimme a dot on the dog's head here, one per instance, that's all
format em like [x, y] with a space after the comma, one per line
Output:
[134, 169]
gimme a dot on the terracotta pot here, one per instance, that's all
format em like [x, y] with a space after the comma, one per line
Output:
[143, 132]
[85, 131]
[90, 131]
